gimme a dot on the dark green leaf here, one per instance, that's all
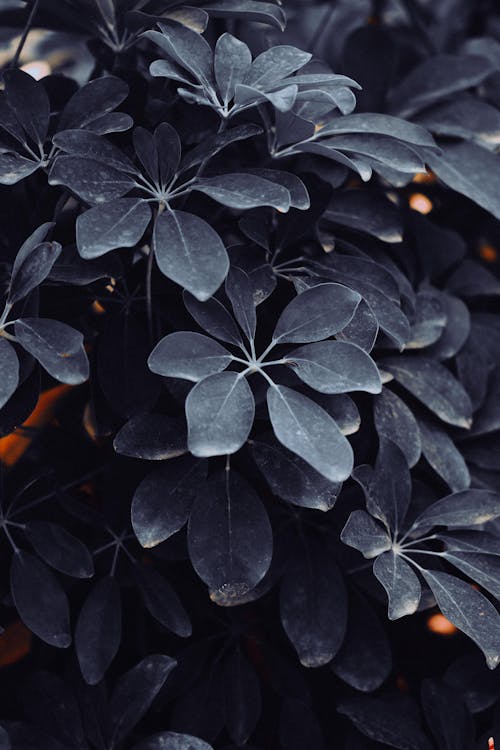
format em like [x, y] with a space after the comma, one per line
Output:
[60, 549]
[363, 533]
[187, 355]
[98, 630]
[335, 367]
[57, 346]
[400, 582]
[9, 371]
[243, 191]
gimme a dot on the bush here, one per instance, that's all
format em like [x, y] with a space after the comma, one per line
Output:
[250, 376]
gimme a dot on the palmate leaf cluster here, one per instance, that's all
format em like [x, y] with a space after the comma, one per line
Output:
[273, 449]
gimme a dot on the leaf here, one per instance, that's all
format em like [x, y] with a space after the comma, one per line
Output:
[255, 11]
[299, 197]
[395, 421]
[447, 715]
[364, 534]
[161, 600]
[484, 569]
[462, 167]
[187, 355]
[214, 318]
[188, 49]
[363, 329]
[244, 191]
[377, 150]
[134, 693]
[87, 144]
[442, 454]
[438, 77]
[159, 153]
[93, 101]
[335, 367]
[313, 607]
[387, 488]
[93, 181]
[232, 61]
[154, 437]
[306, 429]
[370, 123]
[163, 500]
[400, 582]
[32, 270]
[469, 611]
[9, 371]
[98, 630]
[190, 252]
[60, 549]
[57, 346]
[39, 599]
[370, 213]
[466, 508]
[230, 538]
[119, 223]
[14, 168]
[242, 696]
[240, 292]
[364, 663]
[433, 385]
[219, 412]
[172, 741]
[393, 720]
[30, 104]
[275, 64]
[316, 314]
[471, 541]
[292, 479]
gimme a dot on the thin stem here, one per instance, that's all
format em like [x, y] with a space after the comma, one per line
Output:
[26, 31]
[277, 362]
[418, 541]
[267, 350]
[149, 295]
[9, 537]
[5, 314]
[115, 560]
[64, 488]
[6, 335]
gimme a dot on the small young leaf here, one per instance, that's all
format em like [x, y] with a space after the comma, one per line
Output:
[163, 500]
[219, 412]
[240, 292]
[469, 611]
[39, 599]
[335, 367]
[306, 429]
[60, 549]
[230, 538]
[363, 533]
[134, 693]
[190, 252]
[400, 582]
[187, 355]
[9, 371]
[119, 223]
[98, 630]
[188, 49]
[316, 314]
[57, 346]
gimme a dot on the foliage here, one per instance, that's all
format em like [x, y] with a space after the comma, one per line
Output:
[275, 450]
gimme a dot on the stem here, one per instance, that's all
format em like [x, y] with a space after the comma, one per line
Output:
[115, 560]
[26, 31]
[267, 350]
[418, 541]
[149, 296]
